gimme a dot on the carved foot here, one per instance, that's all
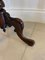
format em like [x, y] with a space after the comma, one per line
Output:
[30, 42]
[4, 30]
[14, 30]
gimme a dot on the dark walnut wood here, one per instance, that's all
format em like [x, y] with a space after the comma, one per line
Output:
[17, 23]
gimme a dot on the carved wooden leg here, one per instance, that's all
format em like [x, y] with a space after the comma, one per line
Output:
[2, 21]
[3, 27]
[19, 25]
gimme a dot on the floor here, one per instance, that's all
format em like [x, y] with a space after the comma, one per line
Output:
[13, 48]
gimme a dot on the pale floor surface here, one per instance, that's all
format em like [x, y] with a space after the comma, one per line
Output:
[13, 48]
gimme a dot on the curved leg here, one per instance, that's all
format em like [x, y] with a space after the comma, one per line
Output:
[2, 22]
[19, 25]
[3, 29]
